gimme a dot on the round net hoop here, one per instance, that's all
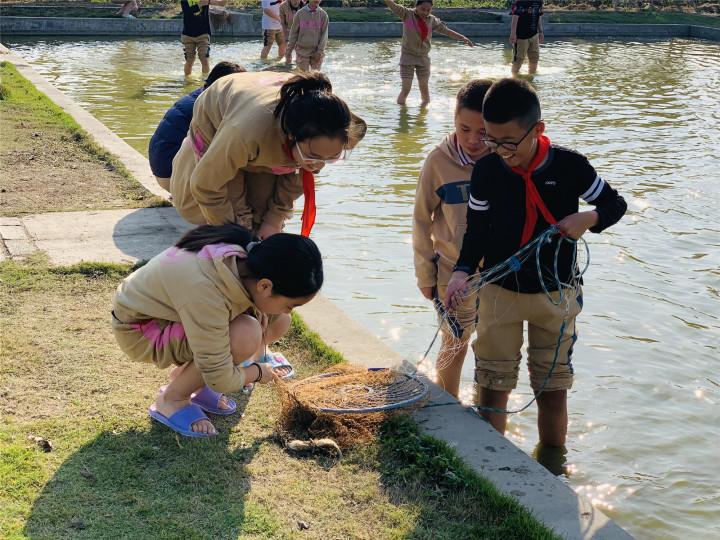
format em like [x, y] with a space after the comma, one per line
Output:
[340, 394]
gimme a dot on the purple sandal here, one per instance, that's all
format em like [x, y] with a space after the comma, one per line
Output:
[181, 422]
[209, 401]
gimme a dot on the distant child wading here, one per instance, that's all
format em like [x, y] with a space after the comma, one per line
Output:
[526, 34]
[418, 26]
[308, 37]
[196, 31]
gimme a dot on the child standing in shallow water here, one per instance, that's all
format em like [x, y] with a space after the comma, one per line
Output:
[308, 37]
[418, 26]
[439, 224]
[207, 305]
[288, 9]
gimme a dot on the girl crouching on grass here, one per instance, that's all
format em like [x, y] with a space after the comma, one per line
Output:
[207, 305]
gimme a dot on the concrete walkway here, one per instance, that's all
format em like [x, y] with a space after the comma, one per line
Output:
[130, 235]
[120, 236]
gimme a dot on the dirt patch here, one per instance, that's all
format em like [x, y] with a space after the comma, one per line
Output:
[44, 167]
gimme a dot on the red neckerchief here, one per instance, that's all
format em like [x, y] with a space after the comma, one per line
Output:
[309, 210]
[533, 201]
[422, 28]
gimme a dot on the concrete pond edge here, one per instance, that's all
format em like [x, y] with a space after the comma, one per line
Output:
[491, 455]
[243, 25]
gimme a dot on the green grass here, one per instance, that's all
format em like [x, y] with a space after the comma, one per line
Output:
[114, 474]
[40, 141]
[646, 17]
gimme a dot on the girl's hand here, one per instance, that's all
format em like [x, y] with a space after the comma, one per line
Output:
[575, 225]
[468, 42]
[456, 289]
[541, 37]
[513, 39]
[427, 292]
[268, 375]
[259, 373]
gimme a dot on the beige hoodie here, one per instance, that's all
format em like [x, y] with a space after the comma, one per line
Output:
[233, 129]
[286, 17]
[309, 32]
[413, 48]
[201, 290]
[439, 218]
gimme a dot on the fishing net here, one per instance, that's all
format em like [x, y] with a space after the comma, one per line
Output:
[347, 403]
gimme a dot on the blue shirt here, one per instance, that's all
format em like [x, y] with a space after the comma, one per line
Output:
[170, 133]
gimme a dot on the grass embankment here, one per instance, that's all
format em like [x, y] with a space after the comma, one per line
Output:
[645, 17]
[48, 163]
[112, 473]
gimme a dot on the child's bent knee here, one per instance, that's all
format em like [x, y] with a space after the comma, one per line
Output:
[245, 337]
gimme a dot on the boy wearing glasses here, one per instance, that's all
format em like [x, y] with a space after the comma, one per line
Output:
[518, 191]
[439, 224]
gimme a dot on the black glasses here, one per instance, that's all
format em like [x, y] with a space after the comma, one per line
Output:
[510, 146]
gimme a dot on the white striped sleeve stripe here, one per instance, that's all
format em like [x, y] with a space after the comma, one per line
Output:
[474, 204]
[591, 194]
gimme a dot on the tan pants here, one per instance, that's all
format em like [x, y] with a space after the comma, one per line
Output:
[313, 61]
[415, 66]
[526, 47]
[201, 44]
[273, 36]
[501, 315]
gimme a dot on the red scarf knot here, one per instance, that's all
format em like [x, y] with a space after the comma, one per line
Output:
[533, 201]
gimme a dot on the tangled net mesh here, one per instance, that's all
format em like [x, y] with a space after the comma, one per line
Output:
[302, 417]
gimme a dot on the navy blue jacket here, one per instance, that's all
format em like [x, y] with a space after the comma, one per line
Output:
[170, 133]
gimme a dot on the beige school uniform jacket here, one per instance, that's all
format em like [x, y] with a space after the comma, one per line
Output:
[201, 290]
[233, 131]
[439, 218]
[415, 50]
[309, 32]
[286, 17]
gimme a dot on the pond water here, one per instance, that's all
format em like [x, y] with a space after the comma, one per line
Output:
[645, 426]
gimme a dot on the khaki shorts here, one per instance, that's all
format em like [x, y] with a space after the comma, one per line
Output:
[459, 323]
[270, 36]
[305, 63]
[153, 341]
[419, 66]
[501, 315]
[163, 182]
[526, 47]
[199, 44]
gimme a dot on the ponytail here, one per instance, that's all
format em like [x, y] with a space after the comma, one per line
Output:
[308, 108]
[292, 262]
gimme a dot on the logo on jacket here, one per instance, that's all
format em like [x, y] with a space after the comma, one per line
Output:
[454, 192]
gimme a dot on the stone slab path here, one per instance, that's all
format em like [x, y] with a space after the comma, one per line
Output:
[119, 236]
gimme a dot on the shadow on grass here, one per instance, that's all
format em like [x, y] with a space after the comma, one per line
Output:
[151, 484]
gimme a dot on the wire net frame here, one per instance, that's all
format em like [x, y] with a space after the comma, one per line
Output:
[383, 390]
